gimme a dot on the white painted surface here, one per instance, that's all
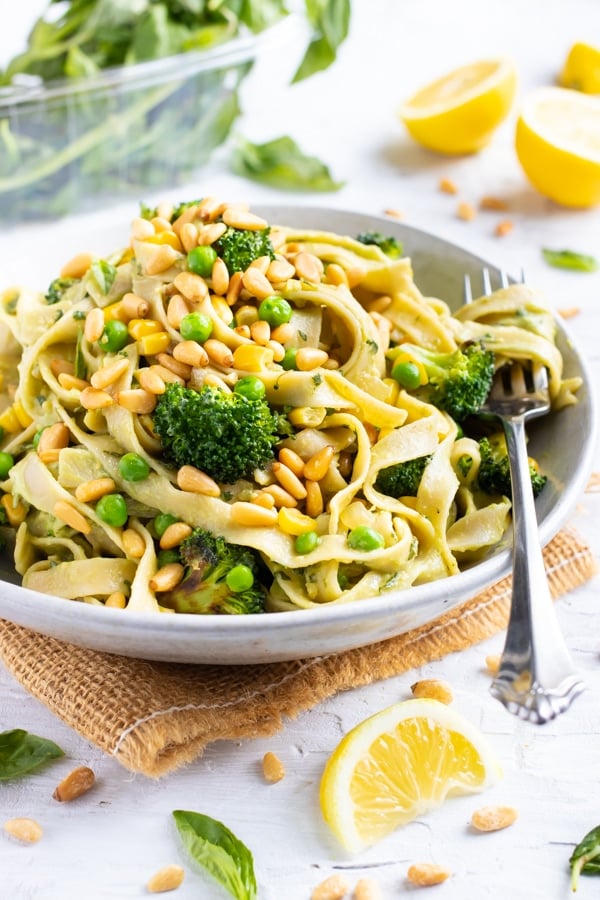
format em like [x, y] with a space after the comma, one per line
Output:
[107, 844]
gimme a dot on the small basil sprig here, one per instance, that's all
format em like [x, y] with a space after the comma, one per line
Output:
[21, 752]
[568, 259]
[282, 164]
[219, 851]
[585, 859]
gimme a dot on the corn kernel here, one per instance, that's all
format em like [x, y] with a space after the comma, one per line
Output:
[9, 420]
[165, 237]
[23, 417]
[15, 512]
[291, 521]
[114, 311]
[151, 344]
[252, 358]
[139, 328]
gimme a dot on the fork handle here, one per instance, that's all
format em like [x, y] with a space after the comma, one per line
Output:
[535, 663]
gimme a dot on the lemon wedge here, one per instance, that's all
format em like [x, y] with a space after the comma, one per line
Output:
[558, 145]
[397, 765]
[460, 112]
[581, 71]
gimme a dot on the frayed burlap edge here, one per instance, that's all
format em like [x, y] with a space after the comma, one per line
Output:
[157, 717]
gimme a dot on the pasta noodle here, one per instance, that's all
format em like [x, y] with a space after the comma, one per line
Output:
[346, 419]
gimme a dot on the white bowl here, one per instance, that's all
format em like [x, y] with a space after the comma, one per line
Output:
[563, 444]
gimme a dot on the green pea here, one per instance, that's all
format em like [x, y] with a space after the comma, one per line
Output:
[133, 467]
[196, 327]
[365, 539]
[275, 310]
[250, 387]
[162, 522]
[240, 578]
[201, 260]
[114, 337]
[112, 509]
[289, 360]
[6, 463]
[407, 375]
[165, 557]
[307, 542]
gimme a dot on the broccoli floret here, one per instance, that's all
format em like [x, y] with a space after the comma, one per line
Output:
[180, 208]
[494, 470]
[225, 435]
[220, 578]
[459, 382]
[239, 247]
[57, 289]
[390, 246]
[402, 479]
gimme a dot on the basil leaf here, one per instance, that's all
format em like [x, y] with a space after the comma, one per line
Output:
[219, 851]
[585, 859]
[568, 259]
[330, 20]
[21, 752]
[282, 164]
[104, 274]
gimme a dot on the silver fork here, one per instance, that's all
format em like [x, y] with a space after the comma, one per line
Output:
[537, 679]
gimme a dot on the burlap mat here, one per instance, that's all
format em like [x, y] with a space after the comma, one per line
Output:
[156, 717]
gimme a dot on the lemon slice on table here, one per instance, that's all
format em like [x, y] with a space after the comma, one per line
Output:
[558, 145]
[460, 112]
[397, 765]
[581, 71]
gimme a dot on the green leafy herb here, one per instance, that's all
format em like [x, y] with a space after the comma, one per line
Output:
[568, 259]
[330, 20]
[585, 859]
[282, 164]
[389, 245]
[104, 275]
[22, 752]
[57, 289]
[219, 851]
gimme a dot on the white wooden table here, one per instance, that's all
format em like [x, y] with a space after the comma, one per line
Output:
[110, 842]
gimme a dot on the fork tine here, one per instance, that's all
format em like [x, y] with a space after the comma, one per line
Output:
[539, 374]
[487, 283]
[504, 282]
[467, 292]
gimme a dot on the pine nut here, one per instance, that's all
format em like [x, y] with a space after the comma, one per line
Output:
[331, 364]
[137, 401]
[333, 888]
[308, 267]
[336, 275]
[141, 229]
[134, 307]
[354, 276]
[280, 496]
[260, 332]
[257, 284]
[289, 481]
[273, 768]
[71, 516]
[394, 213]
[493, 818]
[493, 203]
[48, 457]
[345, 464]
[367, 889]
[150, 381]
[15, 512]
[58, 366]
[222, 309]
[280, 270]
[88, 491]
[188, 235]
[425, 874]
[191, 479]
[283, 333]
[109, 374]
[76, 783]
[214, 380]
[466, 212]
[309, 358]
[208, 234]
[493, 663]
[167, 879]
[220, 277]
[240, 218]
[313, 504]
[71, 383]
[447, 186]
[166, 578]
[219, 352]
[191, 286]
[278, 350]
[235, 287]
[167, 375]
[174, 365]
[433, 689]
[161, 223]
[243, 331]
[261, 498]
[277, 238]
[503, 228]
[162, 257]
[94, 325]
[191, 353]
[133, 543]
[55, 437]
[77, 266]
[261, 263]
[174, 535]
[26, 830]
[209, 208]
[292, 460]
[252, 515]
[188, 215]
[116, 600]
[246, 315]
[93, 398]
[318, 465]
[380, 304]
[176, 310]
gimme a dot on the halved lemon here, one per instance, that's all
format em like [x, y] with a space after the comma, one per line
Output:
[397, 765]
[558, 145]
[460, 112]
[581, 71]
